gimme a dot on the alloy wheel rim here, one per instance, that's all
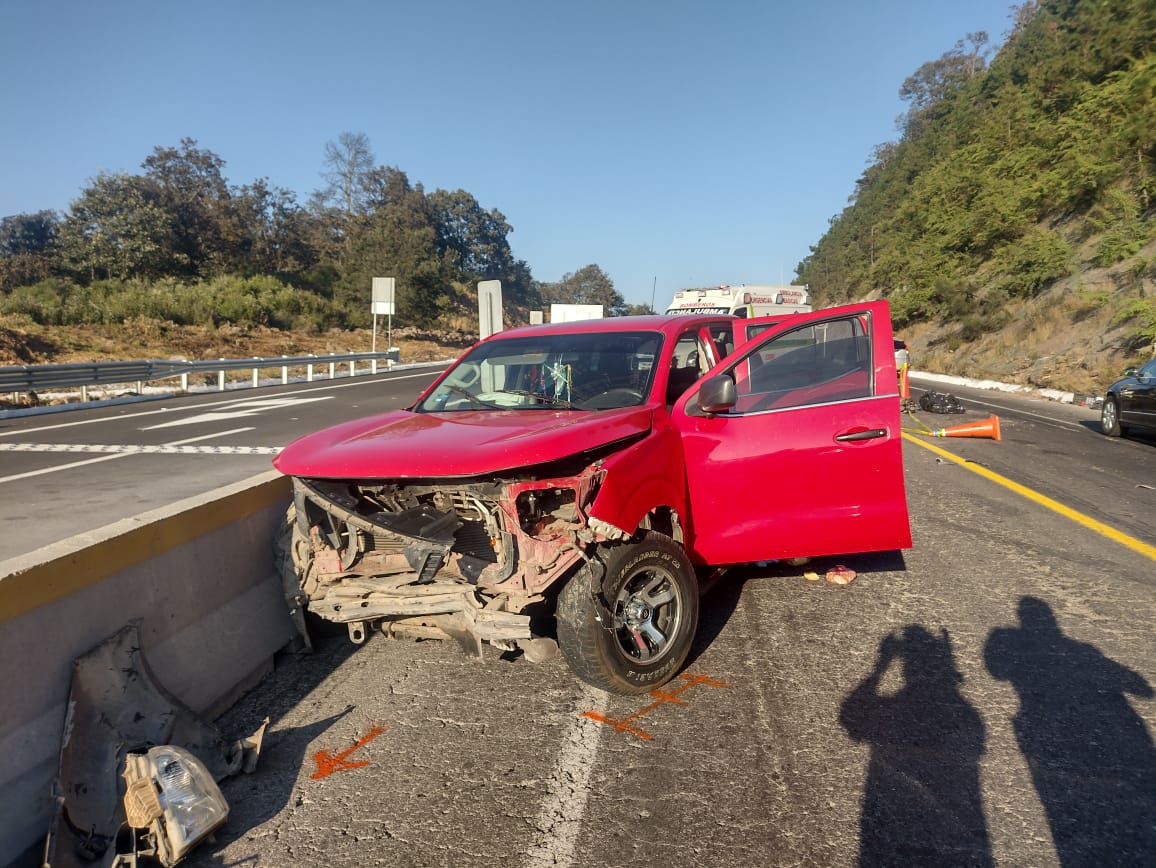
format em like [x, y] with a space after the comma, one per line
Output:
[647, 615]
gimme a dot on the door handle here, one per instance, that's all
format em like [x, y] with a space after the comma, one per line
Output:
[870, 434]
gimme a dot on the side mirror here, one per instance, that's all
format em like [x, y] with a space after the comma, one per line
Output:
[717, 394]
[1131, 372]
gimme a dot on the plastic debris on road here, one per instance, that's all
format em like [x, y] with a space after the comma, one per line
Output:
[940, 402]
[840, 575]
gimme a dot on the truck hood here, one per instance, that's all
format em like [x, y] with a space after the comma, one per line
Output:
[403, 444]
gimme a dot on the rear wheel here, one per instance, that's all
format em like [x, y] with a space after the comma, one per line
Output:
[632, 631]
[1110, 418]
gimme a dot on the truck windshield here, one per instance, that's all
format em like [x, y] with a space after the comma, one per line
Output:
[548, 371]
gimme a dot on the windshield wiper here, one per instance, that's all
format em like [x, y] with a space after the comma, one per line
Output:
[537, 396]
[471, 397]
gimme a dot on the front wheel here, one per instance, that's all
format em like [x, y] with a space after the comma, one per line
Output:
[632, 631]
[1110, 418]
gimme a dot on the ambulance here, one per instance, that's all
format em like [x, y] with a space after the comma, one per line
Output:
[744, 301]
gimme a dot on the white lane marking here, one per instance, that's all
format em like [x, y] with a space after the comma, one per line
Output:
[228, 433]
[174, 447]
[239, 411]
[561, 812]
[59, 467]
[136, 449]
[357, 381]
[1049, 420]
[1052, 420]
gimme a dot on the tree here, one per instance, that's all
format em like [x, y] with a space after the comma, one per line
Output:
[936, 80]
[273, 230]
[348, 164]
[27, 246]
[639, 309]
[470, 239]
[188, 186]
[588, 285]
[114, 230]
[33, 234]
[519, 285]
[398, 240]
[327, 230]
[385, 185]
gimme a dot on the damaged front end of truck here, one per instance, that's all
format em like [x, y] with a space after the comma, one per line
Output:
[527, 500]
[468, 559]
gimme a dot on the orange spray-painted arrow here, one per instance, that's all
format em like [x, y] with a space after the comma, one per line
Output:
[660, 697]
[327, 764]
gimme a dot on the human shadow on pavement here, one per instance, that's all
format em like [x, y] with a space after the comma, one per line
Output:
[922, 803]
[1091, 756]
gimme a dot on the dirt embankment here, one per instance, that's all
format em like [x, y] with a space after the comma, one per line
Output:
[30, 344]
[139, 340]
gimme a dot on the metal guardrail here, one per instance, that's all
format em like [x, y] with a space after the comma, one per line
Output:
[24, 378]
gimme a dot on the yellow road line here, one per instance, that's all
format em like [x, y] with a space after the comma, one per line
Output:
[1099, 527]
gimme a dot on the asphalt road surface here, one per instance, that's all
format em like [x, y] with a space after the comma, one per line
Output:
[985, 698]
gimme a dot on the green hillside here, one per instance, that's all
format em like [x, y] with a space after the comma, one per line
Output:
[1012, 226]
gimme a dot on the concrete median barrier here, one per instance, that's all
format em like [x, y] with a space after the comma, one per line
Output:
[198, 575]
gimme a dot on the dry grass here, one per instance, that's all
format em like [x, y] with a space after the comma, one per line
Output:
[24, 343]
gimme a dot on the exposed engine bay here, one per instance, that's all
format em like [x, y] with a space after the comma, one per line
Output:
[434, 559]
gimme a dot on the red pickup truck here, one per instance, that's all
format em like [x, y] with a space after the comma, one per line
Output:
[568, 482]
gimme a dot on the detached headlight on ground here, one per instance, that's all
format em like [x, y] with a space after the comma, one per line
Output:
[171, 795]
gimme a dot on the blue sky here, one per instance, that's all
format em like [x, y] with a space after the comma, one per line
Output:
[673, 143]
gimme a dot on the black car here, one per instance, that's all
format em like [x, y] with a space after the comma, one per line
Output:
[1131, 402]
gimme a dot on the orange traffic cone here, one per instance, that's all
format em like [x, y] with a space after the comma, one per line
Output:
[988, 427]
[904, 386]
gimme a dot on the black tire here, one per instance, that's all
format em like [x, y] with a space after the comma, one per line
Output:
[651, 592]
[1110, 418]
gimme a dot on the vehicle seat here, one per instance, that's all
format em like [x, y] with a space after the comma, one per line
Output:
[680, 380]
